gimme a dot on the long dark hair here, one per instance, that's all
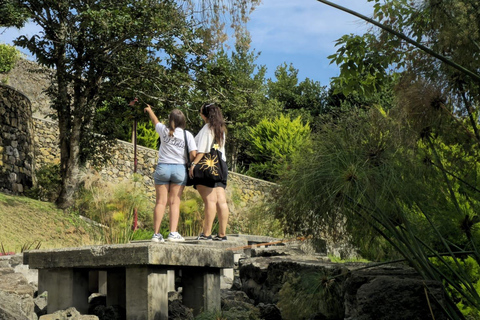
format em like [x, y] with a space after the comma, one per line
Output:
[213, 113]
[176, 119]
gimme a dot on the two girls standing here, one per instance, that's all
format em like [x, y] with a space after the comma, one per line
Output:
[171, 177]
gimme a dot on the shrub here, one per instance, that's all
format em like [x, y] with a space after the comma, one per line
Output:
[9, 56]
[147, 136]
[274, 143]
[48, 183]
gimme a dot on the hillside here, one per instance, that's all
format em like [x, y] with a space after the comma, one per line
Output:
[24, 222]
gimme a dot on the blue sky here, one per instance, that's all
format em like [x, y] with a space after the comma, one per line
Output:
[301, 32]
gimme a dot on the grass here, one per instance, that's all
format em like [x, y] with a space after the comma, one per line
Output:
[25, 222]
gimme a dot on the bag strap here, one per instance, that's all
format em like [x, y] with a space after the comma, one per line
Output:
[187, 152]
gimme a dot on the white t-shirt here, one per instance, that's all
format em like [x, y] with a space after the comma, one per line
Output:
[172, 149]
[204, 140]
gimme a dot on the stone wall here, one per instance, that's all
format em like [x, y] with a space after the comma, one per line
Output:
[16, 147]
[247, 191]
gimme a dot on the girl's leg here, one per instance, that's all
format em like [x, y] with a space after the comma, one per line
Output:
[222, 211]
[174, 198]
[161, 195]
[209, 197]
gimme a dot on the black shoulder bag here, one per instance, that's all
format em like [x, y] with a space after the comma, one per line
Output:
[211, 167]
[187, 155]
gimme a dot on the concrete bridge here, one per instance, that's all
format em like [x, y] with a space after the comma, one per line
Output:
[138, 276]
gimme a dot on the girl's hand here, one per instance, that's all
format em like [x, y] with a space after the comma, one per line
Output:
[148, 108]
[190, 171]
[132, 103]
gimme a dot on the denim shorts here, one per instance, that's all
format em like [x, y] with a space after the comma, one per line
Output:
[168, 173]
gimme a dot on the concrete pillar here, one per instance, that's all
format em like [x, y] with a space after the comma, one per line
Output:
[147, 295]
[93, 281]
[236, 257]
[201, 289]
[116, 287]
[102, 282]
[171, 280]
[227, 272]
[66, 288]
[42, 280]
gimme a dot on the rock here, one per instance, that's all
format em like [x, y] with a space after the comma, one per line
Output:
[15, 283]
[69, 314]
[16, 307]
[96, 300]
[269, 312]
[41, 304]
[6, 270]
[237, 284]
[235, 296]
[263, 277]
[177, 311]
[108, 313]
[226, 282]
[392, 293]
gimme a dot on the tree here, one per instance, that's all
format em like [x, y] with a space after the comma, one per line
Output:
[306, 98]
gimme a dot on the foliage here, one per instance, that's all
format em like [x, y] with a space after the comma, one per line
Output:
[145, 234]
[9, 55]
[4, 252]
[257, 218]
[375, 172]
[229, 315]
[274, 143]
[363, 68]
[306, 98]
[147, 136]
[112, 206]
[306, 294]
[33, 245]
[469, 266]
[48, 183]
[191, 213]
[11, 14]
[335, 259]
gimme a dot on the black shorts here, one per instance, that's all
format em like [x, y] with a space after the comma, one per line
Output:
[209, 183]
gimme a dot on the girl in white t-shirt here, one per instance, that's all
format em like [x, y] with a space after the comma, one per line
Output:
[170, 174]
[212, 193]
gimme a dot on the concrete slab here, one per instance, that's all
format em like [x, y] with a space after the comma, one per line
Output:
[132, 254]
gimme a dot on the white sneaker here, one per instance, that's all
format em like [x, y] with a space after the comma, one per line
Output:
[157, 237]
[175, 236]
